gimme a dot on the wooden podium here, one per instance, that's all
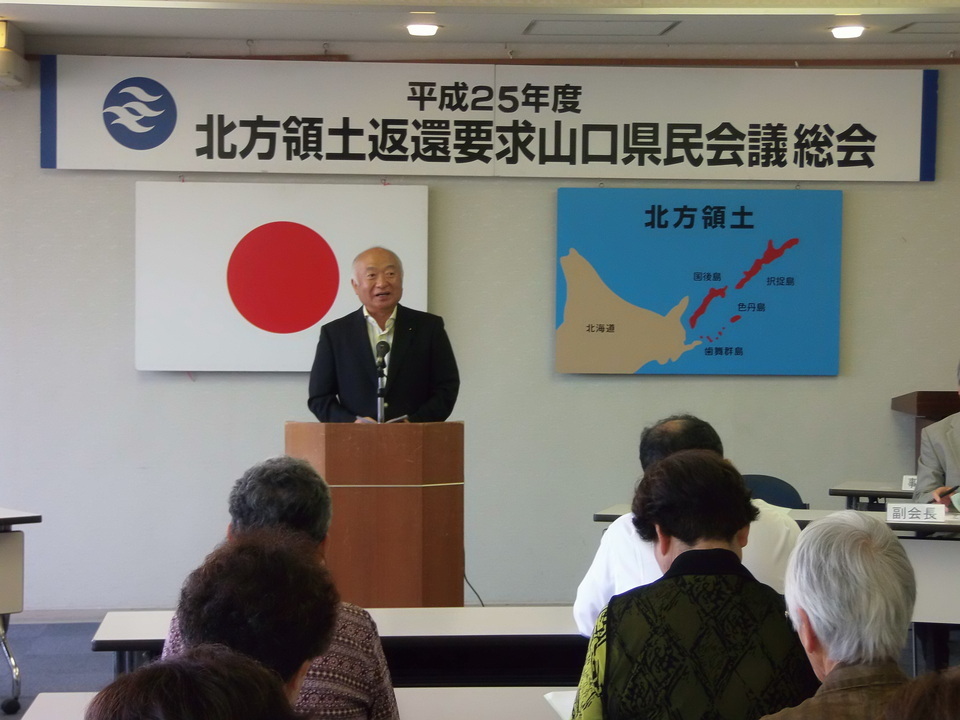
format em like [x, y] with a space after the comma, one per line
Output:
[397, 534]
[927, 407]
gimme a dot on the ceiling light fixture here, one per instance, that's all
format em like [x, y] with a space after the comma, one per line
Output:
[422, 29]
[845, 32]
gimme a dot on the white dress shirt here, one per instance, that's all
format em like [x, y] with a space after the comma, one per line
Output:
[624, 561]
[376, 335]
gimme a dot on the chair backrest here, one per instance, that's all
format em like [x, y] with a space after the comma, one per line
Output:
[775, 491]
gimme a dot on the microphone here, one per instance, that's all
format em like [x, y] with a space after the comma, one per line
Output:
[383, 347]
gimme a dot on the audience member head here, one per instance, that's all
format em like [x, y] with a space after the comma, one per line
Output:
[675, 433]
[282, 492]
[209, 682]
[692, 495]
[934, 696]
[264, 594]
[850, 590]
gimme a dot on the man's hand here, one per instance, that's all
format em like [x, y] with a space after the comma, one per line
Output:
[943, 495]
[365, 420]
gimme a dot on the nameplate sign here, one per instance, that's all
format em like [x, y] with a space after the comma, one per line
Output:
[909, 482]
[914, 512]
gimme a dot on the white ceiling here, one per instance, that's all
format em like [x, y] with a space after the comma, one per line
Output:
[468, 24]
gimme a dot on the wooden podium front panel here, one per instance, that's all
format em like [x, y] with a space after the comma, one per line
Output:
[410, 539]
[389, 454]
[397, 534]
[443, 571]
[442, 452]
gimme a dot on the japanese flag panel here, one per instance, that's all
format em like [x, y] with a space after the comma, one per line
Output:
[241, 276]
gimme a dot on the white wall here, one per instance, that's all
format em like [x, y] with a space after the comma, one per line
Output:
[131, 470]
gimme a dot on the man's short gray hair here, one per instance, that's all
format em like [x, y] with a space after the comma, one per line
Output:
[282, 492]
[852, 576]
[378, 247]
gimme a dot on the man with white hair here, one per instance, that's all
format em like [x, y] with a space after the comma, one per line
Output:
[850, 592]
[422, 380]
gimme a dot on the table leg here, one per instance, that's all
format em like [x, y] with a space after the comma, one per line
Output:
[913, 638]
[125, 661]
[119, 663]
[12, 704]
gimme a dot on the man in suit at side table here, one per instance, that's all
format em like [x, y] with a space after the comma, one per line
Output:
[422, 380]
[938, 467]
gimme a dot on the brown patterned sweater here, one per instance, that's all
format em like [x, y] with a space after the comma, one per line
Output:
[348, 682]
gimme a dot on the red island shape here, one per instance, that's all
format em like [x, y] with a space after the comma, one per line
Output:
[769, 255]
[712, 294]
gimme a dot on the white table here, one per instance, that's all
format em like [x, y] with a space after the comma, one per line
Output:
[499, 620]
[471, 703]
[933, 559]
[134, 628]
[458, 647]
[476, 703]
[875, 492]
[804, 517]
[481, 646]
[59, 706]
[134, 636]
[11, 559]
[11, 590]
[950, 527]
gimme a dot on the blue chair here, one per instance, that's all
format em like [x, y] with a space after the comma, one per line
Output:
[775, 491]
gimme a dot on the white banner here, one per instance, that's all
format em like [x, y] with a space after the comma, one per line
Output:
[487, 120]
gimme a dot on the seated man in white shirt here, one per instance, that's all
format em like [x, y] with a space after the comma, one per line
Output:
[624, 561]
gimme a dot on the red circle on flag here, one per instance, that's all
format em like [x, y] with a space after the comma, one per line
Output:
[283, 277]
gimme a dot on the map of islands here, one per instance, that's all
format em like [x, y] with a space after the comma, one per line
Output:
[603, 333]
[673, 281]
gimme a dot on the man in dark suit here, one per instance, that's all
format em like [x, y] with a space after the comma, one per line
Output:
[422, 380]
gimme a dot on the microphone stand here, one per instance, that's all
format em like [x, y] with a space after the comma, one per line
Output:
[381, 387]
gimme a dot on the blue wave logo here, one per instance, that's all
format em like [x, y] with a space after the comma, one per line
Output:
[139, 113]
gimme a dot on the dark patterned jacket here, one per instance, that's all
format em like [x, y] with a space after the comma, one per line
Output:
[705, 642]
